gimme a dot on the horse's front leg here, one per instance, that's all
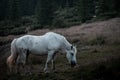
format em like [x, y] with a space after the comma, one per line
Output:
[53, 61]
[49, 58]
[18, 65]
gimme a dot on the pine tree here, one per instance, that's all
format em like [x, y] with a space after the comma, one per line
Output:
[3, 9]
[86, 9]
[14, 9]
[107, 8]
[45, 12]
[28, 7]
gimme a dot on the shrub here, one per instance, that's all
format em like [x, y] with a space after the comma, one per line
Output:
[65, 17]
[17, 31]
[59, 22]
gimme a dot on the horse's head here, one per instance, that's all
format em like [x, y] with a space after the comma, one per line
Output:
[71, 55]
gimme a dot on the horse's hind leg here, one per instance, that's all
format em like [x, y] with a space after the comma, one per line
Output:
[21, 61]
[27, 68]
[18, 64]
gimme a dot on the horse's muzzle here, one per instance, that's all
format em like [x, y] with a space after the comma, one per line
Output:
[73, 63]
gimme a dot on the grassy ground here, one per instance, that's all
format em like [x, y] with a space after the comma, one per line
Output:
[94, 63]
[98, 56]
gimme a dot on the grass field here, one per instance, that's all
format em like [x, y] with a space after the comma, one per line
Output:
[98, 56]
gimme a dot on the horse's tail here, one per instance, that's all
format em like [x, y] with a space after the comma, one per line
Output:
[12, 58]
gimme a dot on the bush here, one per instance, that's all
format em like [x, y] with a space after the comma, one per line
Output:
[59, 22]
[36, 26]
[27, 20]
[17, 31]
[65, 17]
[17, 27]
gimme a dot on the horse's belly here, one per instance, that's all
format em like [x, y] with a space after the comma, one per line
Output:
[38, 51]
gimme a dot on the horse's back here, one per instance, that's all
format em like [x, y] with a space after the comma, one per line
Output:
[24, 41]
[48, 41]
[53, 35]
[54, 40]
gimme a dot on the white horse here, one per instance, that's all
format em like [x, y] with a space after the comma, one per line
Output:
[49, 44]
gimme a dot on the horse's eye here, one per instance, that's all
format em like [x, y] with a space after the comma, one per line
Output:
[72, 54]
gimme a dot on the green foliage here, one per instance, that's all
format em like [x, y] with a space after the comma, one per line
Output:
[65, 18]
[86, 9]
[17, 31]
[28, 7]
[10, 27]
[14, 9]
[44, 11]
[53, 13]
[3, 9]
[107, 8]
[26, 20]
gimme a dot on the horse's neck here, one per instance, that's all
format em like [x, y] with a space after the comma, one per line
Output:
[67, 45]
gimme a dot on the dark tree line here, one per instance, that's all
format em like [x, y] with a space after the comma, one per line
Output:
[45, 10]
[14, 9]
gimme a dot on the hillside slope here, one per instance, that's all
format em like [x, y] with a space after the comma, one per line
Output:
[109, 29]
